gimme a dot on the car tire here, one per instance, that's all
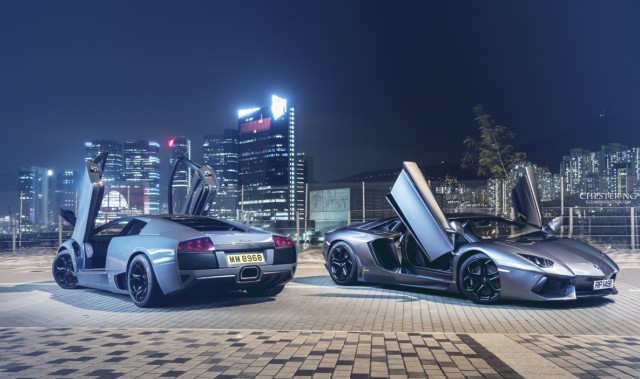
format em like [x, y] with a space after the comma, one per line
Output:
[265, 291]
[479, 279]
[342, 264]
[63, 272]
[143, 286]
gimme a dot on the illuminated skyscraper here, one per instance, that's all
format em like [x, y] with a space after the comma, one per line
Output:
[113, 168]
[178, 147]
[267, 158]
[220, 152]
[304, 169]
[34, 187]
[142, 168]
[614, 168]
[66, 190]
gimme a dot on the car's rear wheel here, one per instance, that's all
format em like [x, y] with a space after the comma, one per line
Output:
[143, 287]
[265, 291]
[63, 272]
[342, 264]
[479, 279]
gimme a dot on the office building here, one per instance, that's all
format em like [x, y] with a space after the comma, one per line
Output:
[35, 187]
[180, 147]
[113, 168]
[142, 169]
[220, 152]
[66, 190]
[267, 161]
[304, 166]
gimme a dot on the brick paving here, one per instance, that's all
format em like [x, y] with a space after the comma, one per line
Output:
[313, 329]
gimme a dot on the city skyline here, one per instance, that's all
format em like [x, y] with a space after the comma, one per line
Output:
[401, 78]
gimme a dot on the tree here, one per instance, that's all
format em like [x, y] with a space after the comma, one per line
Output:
[491, 154]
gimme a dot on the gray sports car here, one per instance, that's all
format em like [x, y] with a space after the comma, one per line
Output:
[153, 255]
[484, 257]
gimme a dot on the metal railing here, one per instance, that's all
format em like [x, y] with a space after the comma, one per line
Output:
[325, 206]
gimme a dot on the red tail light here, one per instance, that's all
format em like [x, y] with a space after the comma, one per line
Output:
[280, 241]
[199, 244]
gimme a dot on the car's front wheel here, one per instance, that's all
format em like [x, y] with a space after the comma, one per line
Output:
[479, 279]
[143, 287]
[342, 264]
[265, 291]
[63, 272]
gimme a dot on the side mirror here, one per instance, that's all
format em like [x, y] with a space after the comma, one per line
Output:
[555, 224]
[456, 227]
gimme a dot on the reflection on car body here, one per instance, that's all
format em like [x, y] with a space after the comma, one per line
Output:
[149, 256]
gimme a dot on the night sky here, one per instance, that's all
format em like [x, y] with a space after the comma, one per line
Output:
[373, 82]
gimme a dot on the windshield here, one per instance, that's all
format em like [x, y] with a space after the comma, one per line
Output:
[496, 228]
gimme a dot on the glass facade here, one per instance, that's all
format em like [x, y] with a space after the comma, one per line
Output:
[66, 190]
[34, 187]
[114, 166]
[142, 168]
[220, 152]
[267, 162]
[178, 147]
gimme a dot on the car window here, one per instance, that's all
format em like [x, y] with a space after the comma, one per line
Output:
[133, 228]
[113, 229]
[203, 224]
[496, 228]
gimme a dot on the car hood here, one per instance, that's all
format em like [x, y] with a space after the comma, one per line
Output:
[576, 256]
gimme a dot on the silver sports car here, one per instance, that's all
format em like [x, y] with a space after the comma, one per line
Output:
[153, 255]
[484, 257]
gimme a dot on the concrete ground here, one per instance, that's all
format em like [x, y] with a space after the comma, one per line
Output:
[313, 329]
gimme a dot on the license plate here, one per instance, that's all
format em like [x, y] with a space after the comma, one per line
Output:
[243, 259]
[602, 284]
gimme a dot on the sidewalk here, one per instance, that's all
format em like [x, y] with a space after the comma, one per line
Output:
[314, 329]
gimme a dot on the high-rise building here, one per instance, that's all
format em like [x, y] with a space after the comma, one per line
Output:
[588, 171]
[267, 161]
[66, 190]
[303, 169]
[623, 178]
[113, 168]
[34, 187]
[142, 168]
[220, 152]
[180, 147]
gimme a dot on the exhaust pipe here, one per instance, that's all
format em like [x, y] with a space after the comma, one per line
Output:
[249, 273]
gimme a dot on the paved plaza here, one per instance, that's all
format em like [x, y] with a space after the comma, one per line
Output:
[312, 329]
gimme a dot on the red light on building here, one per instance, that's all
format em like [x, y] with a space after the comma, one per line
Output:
[171, 142]
[256, 126]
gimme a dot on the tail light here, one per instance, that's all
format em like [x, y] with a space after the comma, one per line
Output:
[281, 241]
[197, 245]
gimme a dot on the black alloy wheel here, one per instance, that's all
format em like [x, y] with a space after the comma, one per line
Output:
[143, 288]
[480, 279]
[342, 265]
[63, 272]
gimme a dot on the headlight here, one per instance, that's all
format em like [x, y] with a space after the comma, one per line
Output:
[540, 262]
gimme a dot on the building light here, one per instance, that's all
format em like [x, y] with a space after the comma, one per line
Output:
[278, 106]
[246, 112]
